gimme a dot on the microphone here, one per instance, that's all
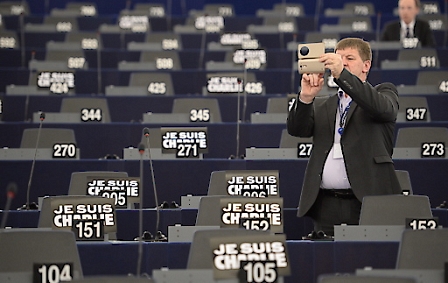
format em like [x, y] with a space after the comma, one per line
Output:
[317, 13]
[98, 62]
[22, 38]
[202, 50]
[42, 118]
[141, 150]
[294, 61]
[169, 5]
[377, 51]
[238, 119]
[244, 89]
[11, 191]
[27, 99]
[146, 134]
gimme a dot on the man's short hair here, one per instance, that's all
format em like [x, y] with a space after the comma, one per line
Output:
[417, 3]
[362, 46]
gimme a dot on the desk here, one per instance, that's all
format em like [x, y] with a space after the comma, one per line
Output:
[127, 221]
[176, 178]
[307, 259]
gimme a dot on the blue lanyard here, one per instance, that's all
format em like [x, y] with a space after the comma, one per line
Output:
[342, 115]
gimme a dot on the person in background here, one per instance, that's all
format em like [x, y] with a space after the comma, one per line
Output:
[409, 26]
[352, 134]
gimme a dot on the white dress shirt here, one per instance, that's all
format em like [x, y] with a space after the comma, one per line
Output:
[334, 175]
[404, 29]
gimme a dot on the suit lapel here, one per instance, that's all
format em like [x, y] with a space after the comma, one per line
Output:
[350, 111]
[332, 106]
[416, 29]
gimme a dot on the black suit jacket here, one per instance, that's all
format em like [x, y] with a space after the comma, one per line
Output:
[422, 31]
[367, 142]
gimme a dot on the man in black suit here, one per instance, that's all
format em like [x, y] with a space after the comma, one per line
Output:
[409, 26]
[352, 134]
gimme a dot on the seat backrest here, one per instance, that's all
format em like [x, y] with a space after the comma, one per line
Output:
[78, 181]
[285, 9]
[187, 105]
[209, 213]
[276, 21]
[362, 279]
[416, 54]
[360, 8]
[160, 36]
[76, 105]
[277, 105]
[431, 77]
[436, 21]
[21, 248]
[71, 58]
[91, 40]
[9, 39]
[14, 8]
[153, 10]
[405, 181]
[200, 256]
[48, 137]
[217, 9]
[59, 21]
[288, 141]
[154, 139]
[419, 109]
[393, 209]
[358, 23]
[157, 83]
[430, 7]
[415, 136]
[426, 57]
[164, 60]
[423, 249]
[328, 38]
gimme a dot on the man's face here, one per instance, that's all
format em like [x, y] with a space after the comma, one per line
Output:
[407, 10]
[353, 63]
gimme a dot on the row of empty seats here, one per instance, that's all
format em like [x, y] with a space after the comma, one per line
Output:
[189, 110]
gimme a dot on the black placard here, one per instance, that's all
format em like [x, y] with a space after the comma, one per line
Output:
[88, 230]
[225, 84]
[433, 150]
[96, 185]
[119, 196]
[416, 114]
[200, 115]
[422, 223]
[52, 272]
[65, 211]
[234, 210]
[231, 254]
[185, 142]
[157, 88]
[91, 114]
[255, 223]
[64, 150]
[258, 272]
[252, 183]
[57, 82]
[304, 150]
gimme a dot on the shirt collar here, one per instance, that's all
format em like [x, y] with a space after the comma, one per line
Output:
[341, 92]
[410, 25]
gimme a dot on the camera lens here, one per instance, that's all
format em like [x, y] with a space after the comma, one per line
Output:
[304, 51]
